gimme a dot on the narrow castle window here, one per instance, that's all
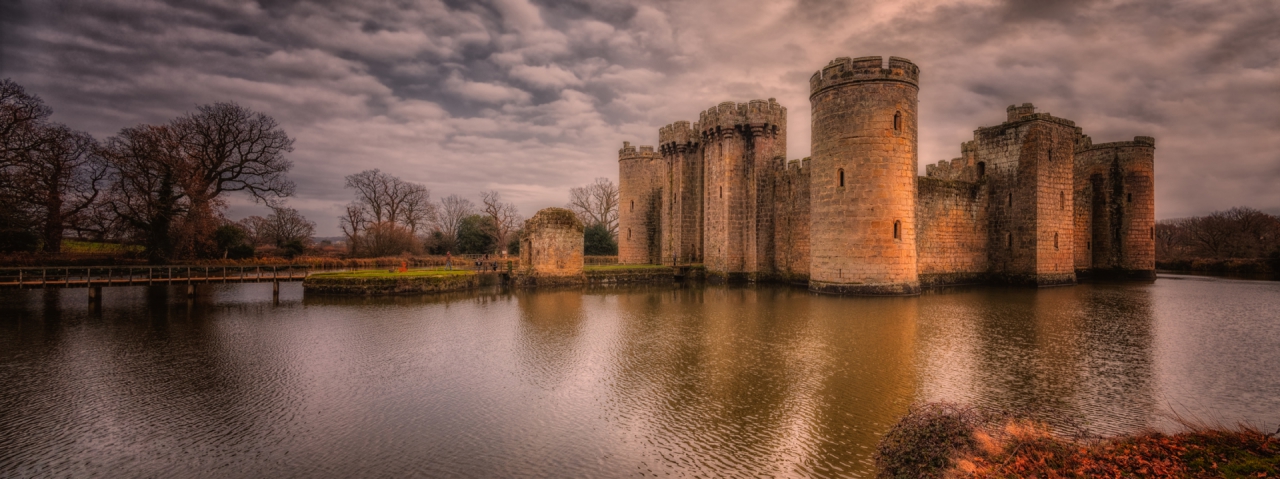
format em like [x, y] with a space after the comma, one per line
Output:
[897, 229]
[633, 206]
[1008, 240]
[1153, 232]
[982, 169]
[840, 178]
[1130, 198]
[1088, 245]
[1050, 155]
[1010, 199]
[897, 121]
[722, 192]
[628, 233]
[1062, 200]
[1055, 241]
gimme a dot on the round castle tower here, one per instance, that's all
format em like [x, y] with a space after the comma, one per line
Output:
[863, 183]
[641, 173]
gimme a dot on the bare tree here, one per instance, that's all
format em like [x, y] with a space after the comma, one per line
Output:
[63, 178]
[375, 190]
[146, 191]
[388, 198]
[286, 225]
[416, 209]
[21, 115]
[388, 239]
[453, 209]
[505, 217]
[353, 223]
[257, 229]
[233, 148]
[596, 203]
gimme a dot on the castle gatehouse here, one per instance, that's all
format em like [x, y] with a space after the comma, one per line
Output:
[1030, 201]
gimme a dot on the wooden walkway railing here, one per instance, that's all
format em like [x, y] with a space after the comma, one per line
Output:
[100, 276]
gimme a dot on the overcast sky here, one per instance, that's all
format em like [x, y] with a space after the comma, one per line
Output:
[531, 98]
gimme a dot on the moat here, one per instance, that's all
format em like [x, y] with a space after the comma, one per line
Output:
[614, 382]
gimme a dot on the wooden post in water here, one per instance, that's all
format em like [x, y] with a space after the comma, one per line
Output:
[191, 290]
[275, 292]
[95, 294]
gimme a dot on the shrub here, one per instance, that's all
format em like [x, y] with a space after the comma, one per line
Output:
[387, 239]
[597, 241]
[924, 443]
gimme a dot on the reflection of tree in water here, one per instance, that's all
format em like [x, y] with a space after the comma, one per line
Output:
[769, 380]
[547, 342]
[1071, 355]
[150, 383]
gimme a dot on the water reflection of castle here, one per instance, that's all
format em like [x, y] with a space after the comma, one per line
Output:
[1032, 200]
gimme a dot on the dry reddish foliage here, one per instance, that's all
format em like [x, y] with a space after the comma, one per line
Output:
[1032, 452]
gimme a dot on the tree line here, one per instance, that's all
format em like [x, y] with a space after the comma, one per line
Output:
[165, 187]
[160, 186]
[390, 216]
[1238, 233]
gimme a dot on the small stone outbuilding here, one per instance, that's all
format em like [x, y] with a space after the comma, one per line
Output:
[551, 249]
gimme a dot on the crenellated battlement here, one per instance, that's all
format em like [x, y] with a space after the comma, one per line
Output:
[844, 70]
[629, 152]
[1085, 143]
[677, 135]
[761, 115]
[961, 169]
[1027, 112]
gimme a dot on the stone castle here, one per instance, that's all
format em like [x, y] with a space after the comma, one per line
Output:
[1032, 200]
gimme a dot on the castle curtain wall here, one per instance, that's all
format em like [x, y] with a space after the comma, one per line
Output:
[951, 231]
[1030, 200]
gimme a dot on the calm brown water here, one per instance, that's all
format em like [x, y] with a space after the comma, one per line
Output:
[616, 383]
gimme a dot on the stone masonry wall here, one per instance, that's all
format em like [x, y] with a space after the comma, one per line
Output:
[791, 222]
[641, 175]
[682, 211]
[951, 231]
[1026, 162]
[551, 244]
[1115, 207]
[740, 142]
[863, 179]
[1030, 200]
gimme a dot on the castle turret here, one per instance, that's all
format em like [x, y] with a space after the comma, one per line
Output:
[641, 174]
[679, 145]
[863, 179]
[1115, 208]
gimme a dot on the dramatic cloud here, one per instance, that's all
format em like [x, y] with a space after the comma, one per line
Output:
[533, 97]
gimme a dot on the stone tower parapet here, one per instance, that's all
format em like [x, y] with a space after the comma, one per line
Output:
[844, 70]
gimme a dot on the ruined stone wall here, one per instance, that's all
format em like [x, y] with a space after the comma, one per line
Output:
[791, 222]
[951, 231]
[1115, 207]
[551, 244]
[863, 179]
[641, 176]
[1027, 164]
